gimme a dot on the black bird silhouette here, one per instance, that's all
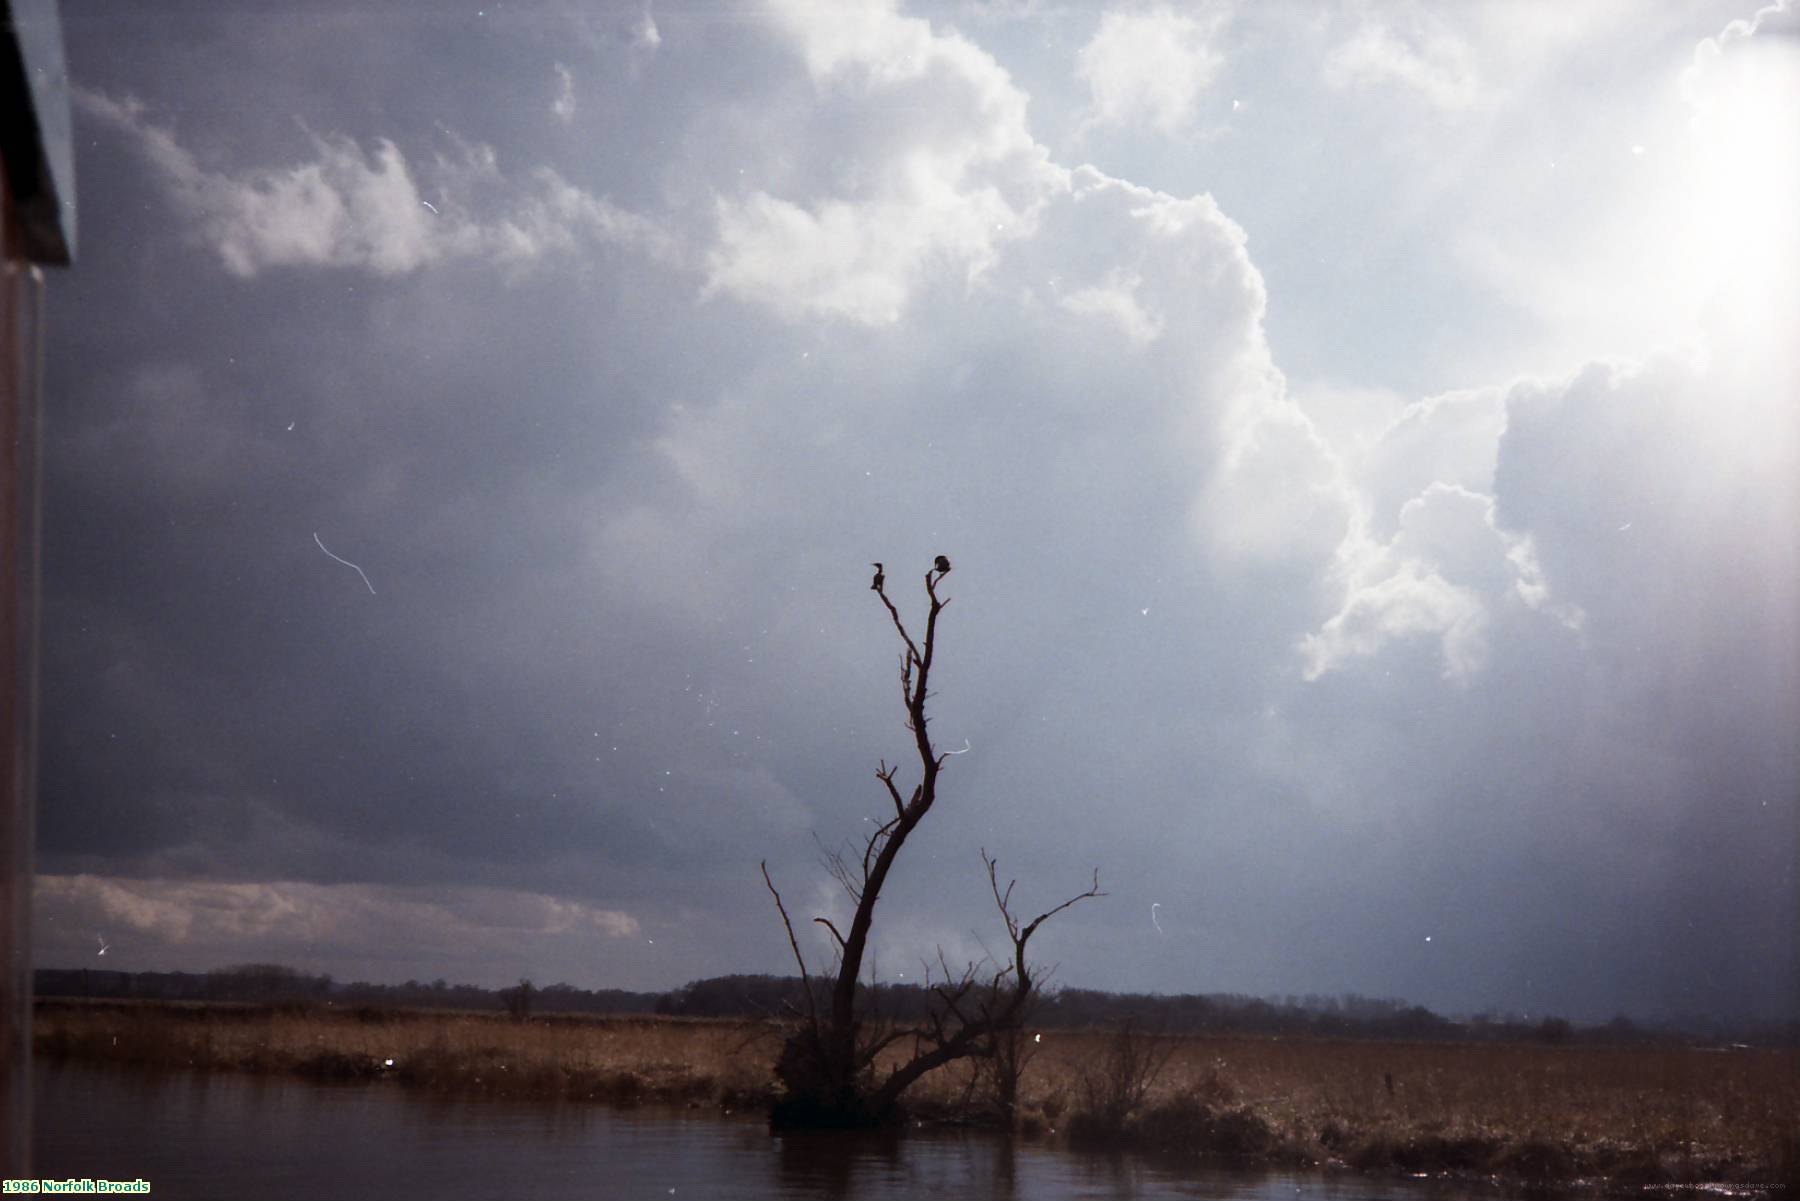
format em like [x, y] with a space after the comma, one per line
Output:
[942, 565]
[880, 577]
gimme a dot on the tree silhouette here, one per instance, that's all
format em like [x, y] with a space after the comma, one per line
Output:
[518, 1000]
[829, 1066]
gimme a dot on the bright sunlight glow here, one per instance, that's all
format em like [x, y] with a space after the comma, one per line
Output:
[1739, 201]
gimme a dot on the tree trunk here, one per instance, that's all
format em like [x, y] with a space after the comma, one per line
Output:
[827, 1068]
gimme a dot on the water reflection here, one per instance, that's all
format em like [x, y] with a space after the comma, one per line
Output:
[880, 1164]
[827, 1164]
[200, 1136]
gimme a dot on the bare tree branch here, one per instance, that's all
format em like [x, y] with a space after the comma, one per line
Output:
[1022, 936]
[898, 624]
[805, 978]
[877, 840]
[840, 871]
[875, 1046]
[826, 922]
[886, 775]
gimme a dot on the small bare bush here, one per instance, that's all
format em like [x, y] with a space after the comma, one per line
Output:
[1114, 1088]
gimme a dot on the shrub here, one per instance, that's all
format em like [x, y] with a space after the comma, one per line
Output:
[1114, 1090]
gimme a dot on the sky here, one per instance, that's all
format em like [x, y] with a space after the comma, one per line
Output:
[1364, 436]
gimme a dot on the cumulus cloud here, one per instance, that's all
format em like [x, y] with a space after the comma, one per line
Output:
[351, 207]
[1125, 300]
[1406, 600]
[1610, 501]
[1280, 495]
[1419, 551]
[1150, 66]
[1654, 493]
[1451, 438]
[1174, 271]
[1126, 297]
[1413, 50]
[1446, 568]
[942, 194]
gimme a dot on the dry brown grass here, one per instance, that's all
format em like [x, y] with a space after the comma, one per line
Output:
[1654, 1113]
[1635, 1115]
[611, 1058]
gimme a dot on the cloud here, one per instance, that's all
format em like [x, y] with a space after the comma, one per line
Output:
[645, 35]
[563, 106]
[349, 207]
[1654, 493]
[1405, 600]
[1663, 217]
[144, 920]
[1160, 269]
[1150, 66]
[999, 12]
[624, 645]
[1280, 495]
[1451, 439]
[1115, 302]
[1415, 51]
[1134, 312]
[945, 173]
[1782, 19]
[1441, 574]
[1740, 190]
[1611, 500]
[1122, 307]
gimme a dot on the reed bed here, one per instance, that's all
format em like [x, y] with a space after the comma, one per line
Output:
[618, 1059]
[1631, 1114]
[1621, 1116]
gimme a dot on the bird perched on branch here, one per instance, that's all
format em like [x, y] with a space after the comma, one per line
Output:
[942, 565]
[880, 577]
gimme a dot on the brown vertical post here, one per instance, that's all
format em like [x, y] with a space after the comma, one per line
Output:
[21, 285]
[37, 225]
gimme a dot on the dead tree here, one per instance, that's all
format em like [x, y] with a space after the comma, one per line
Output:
[829, 1066]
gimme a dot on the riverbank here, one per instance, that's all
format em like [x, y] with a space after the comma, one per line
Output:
[1607, 1117]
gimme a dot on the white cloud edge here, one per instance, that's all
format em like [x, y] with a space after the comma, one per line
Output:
[351, 207]
[203, 913]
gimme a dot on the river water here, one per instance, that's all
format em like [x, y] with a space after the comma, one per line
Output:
[281, 1139]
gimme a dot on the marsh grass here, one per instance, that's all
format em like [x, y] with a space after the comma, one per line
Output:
[1626, 1115]
[1647, 1114]
[617, 1059]
[1630, 1115]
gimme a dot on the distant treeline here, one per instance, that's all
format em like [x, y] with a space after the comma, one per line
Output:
[269, 982]
[1348, 1016]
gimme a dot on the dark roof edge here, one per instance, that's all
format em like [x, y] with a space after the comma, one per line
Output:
[35, 137]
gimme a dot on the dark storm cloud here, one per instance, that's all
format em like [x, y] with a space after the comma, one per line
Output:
[615, 444]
